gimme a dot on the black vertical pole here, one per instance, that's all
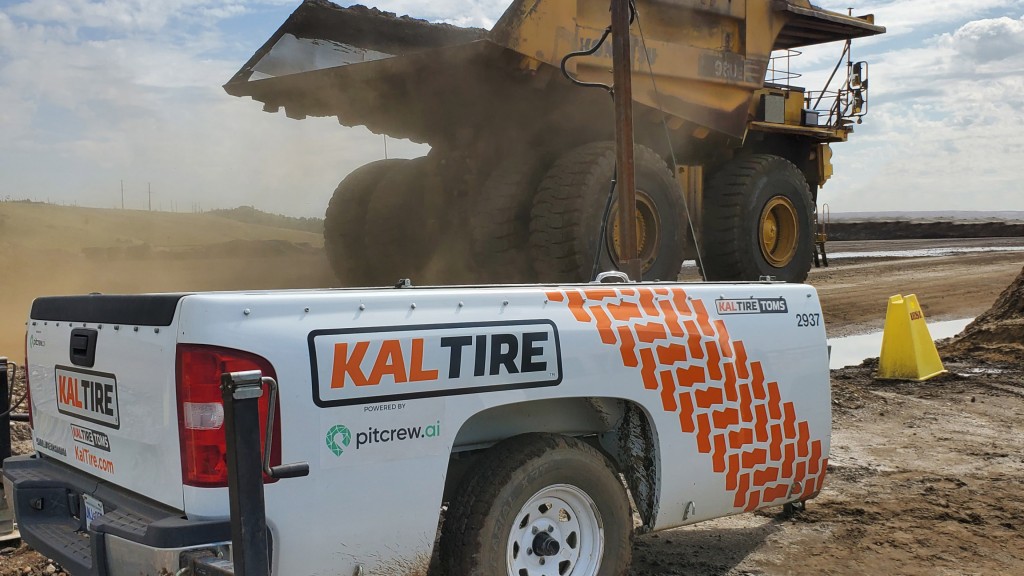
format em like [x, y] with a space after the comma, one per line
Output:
[241, 392]
[622, 70]
[5, 409]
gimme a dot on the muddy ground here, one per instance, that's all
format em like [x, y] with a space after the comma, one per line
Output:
[925, 478]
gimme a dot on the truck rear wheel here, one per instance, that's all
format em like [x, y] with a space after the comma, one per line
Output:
[500, 221]
[758, 221]
[344, 222]
[565, 226]
[539, 505]
[401, 228]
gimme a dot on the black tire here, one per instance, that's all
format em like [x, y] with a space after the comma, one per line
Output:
[344, 222]
[500, 223]
[478, 530]
[735, 204]
[565, 223]
[401, 228]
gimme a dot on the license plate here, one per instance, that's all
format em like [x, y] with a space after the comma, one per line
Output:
[93, 509]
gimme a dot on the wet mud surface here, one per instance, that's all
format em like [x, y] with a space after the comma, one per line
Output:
[925, 478]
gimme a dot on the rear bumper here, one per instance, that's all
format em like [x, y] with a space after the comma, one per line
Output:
[134, 535]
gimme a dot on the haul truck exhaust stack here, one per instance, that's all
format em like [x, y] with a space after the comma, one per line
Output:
[730, 155]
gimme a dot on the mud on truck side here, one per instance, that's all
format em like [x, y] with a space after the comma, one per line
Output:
[514, 187]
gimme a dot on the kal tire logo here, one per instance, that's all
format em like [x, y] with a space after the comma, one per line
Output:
[338, 438]
[93, 438]
[395, 363]
[87, 395]
[752, 306]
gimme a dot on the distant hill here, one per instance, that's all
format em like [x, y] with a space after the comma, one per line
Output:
[69, 228]
[251, 215]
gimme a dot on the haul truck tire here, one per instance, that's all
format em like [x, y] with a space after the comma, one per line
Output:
[539, 504]
[500, 222]
[565, 223]
[401, 227]
[344, 222]
[758, 221]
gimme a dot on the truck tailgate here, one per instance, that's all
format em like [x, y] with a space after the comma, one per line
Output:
[91, 357]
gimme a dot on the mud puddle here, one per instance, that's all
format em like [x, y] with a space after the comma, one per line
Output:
[852, 350]
[924, 252]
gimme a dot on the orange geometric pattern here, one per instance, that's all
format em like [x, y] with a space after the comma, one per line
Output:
[704, 376]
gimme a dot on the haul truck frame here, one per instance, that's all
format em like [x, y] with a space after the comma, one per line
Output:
[730, 154]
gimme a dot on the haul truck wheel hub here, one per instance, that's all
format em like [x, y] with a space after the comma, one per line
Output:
[648, 230]
[558, 531]
[779, 231]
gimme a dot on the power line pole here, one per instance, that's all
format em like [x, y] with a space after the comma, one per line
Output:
[150, 184]
[122, 194]
[622, 65]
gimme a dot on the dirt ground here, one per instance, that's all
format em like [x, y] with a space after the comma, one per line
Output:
[924, 478]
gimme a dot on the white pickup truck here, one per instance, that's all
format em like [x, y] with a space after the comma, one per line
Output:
[534, 420]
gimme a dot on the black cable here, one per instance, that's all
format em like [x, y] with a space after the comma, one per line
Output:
[601, 238]
[591, 52]
[668, 140]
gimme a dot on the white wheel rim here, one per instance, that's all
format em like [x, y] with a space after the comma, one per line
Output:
[561, 517]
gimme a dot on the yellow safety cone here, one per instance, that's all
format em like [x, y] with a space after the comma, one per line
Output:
[908, 351]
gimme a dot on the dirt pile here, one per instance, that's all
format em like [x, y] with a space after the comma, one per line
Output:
[998, 334]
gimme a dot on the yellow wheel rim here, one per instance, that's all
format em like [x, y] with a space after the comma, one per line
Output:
[779, 232]
[648, 230]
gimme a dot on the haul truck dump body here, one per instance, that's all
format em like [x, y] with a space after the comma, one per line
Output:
[516, 144]
[517, 406]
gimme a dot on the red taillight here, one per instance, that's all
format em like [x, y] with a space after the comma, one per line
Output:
[28, 389]
[201, 412]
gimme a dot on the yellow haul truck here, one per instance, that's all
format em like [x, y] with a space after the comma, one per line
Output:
[517, 185]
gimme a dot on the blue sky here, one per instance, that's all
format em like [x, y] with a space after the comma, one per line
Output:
[95, 92]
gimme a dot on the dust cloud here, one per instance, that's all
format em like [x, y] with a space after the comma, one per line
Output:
[54, 250]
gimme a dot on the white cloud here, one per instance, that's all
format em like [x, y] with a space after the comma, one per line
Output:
[477, 13]
[905, 16]
[990, 40]
[93, 92]
[124, 15]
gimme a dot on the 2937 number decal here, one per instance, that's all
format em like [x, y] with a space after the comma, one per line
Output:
[808, 320]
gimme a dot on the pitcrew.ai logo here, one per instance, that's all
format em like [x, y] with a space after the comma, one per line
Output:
[338, 438]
